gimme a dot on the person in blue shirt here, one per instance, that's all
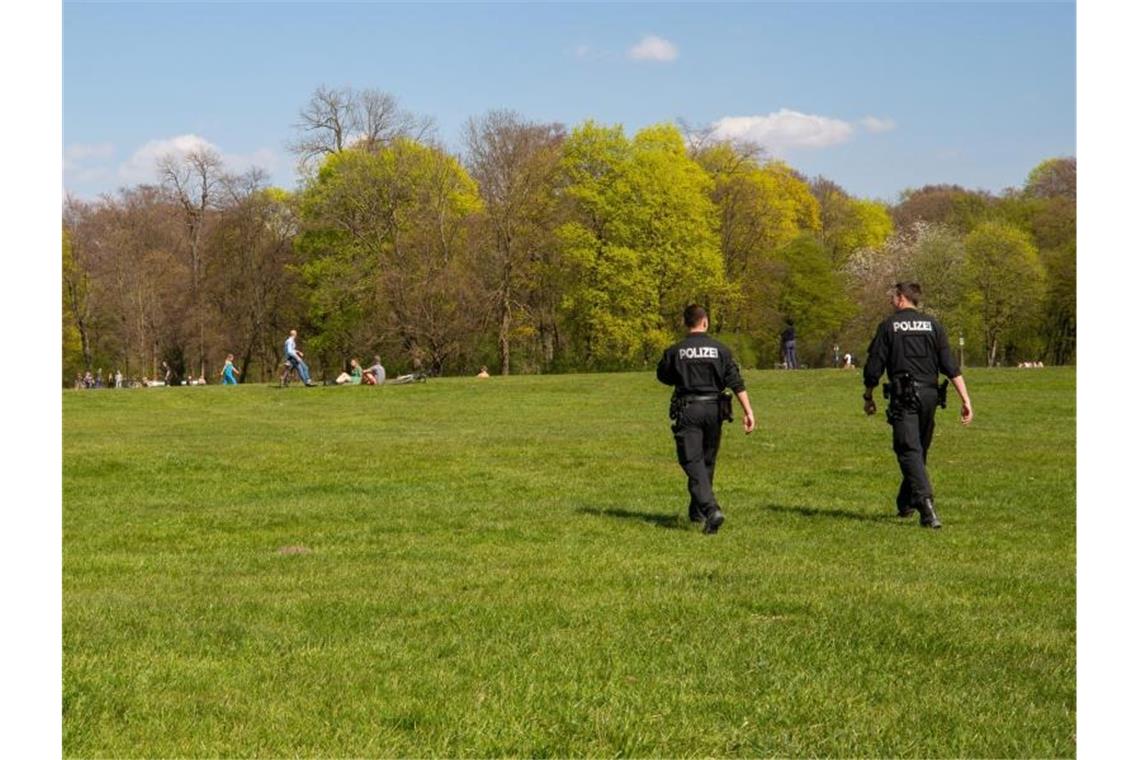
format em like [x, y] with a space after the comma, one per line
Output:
[295, 358]
[229, 371]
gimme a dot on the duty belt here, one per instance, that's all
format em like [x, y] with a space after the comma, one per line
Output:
[922, 384]
[701, 397]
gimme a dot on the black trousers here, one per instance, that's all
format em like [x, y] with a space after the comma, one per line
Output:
[913, 432]
[697, 435]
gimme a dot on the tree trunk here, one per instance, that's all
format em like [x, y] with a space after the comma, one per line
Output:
[85, 340]
[505, 327]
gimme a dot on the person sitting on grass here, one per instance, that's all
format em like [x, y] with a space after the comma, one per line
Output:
[375, 375]
[352, 377]
[483, 372]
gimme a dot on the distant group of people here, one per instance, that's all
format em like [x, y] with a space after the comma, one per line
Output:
[356, 375]
[88, 380]
[295, 364]
[93, 380]
[1030, 365]
[375, 374]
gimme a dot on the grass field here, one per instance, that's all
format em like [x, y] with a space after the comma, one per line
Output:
[505, 567]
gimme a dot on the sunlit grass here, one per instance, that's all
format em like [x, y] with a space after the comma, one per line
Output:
[505, 567]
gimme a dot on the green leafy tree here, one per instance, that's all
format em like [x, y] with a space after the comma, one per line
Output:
[640, 243]
[943, 204]
[76, 346]
[761, 207]
[812, 294]
[1053, 178]
[849, 224]
[1005, 280]
[1060, 307]
[385, 254]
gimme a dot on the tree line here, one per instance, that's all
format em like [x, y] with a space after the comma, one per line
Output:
[536, 248]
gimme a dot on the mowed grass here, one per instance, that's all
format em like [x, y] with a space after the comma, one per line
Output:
[505, 567]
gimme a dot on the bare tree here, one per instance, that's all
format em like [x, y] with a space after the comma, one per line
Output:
[514, 163]
[327, 123]
[125, 289]
[381, 120]
[76, 275]
[249, 273]
[336, 119]
[193, 179]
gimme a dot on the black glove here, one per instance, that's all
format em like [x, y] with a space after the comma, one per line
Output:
[869, 404]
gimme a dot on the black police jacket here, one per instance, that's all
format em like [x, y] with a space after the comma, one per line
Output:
[699, 365]
[909, 341]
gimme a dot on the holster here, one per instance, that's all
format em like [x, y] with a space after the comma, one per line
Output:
[942, 393]
[903, 395]
[676, 404]
[724, 403]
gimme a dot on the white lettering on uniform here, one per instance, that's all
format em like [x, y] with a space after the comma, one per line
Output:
[703, 352]
[915, 325]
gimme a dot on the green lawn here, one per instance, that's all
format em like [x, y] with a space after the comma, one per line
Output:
[505, 567]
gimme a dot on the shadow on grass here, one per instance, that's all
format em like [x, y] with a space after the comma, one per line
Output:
[661, 521]
[838, 514]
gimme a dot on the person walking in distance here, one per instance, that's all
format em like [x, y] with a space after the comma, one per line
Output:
[229, 370]
[788, 345]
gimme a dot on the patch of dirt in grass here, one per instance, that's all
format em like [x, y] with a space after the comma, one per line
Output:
[294, 550]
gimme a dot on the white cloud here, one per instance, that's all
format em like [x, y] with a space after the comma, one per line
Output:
[784, 129]
[653, 48]
[143, 163]
[582, 51]
[142, 166]
[874, 124]
[77, 154]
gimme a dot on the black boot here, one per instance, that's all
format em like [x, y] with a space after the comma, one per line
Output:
[902, 501]
[928, 518]
[714, 520]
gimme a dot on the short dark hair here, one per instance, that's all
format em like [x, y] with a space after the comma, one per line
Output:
[911, 291]
[694, 314]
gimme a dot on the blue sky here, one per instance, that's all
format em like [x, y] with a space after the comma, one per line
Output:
[878, 97]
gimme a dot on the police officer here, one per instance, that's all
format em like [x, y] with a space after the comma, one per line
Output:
[699, 369]
[913, 348]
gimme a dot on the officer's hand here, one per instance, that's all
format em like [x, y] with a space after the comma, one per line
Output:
[967, 414]
[869, 406]
[749, 423]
